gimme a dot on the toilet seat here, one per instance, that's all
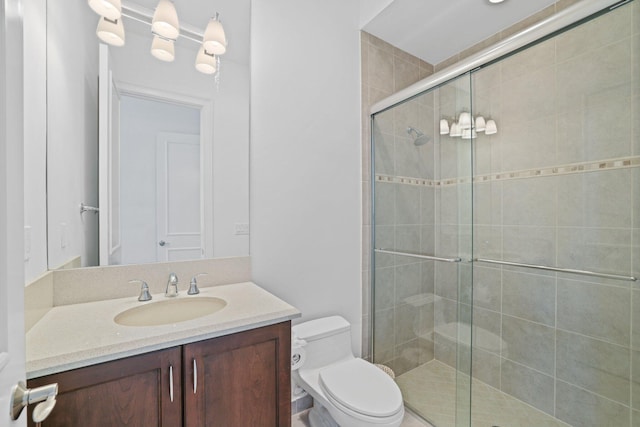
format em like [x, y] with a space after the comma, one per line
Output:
[361, 389]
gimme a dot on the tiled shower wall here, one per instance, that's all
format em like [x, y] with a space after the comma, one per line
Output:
[559, 185]
[385, 70]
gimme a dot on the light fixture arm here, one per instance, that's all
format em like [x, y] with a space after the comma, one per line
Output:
[162, 37]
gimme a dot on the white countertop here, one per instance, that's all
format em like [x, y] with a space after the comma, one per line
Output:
[78, 335]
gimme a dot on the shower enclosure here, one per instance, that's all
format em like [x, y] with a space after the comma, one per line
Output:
[506, 232]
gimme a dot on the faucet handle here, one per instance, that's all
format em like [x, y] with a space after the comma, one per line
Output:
[193, 285]
[144, 290]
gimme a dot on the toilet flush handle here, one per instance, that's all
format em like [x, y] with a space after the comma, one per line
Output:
[297, 342]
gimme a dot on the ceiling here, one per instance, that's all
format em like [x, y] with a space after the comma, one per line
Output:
[434, 30]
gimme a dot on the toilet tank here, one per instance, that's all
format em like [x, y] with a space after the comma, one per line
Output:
[328, 340]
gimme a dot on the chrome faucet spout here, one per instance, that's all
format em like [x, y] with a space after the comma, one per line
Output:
[172, 286]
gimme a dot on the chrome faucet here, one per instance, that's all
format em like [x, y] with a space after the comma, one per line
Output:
[172, 286]
[144, 290]
[193, 286]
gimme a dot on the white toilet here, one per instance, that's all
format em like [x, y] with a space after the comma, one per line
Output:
[347, 391]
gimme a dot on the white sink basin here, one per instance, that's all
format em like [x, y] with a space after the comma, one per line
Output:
[170, 311]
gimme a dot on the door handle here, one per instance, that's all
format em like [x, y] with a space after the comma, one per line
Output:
[21, 396]
[162, 243]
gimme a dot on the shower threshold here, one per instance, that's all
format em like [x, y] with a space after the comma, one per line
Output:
[430, 391]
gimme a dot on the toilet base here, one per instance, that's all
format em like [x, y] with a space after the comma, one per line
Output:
[320, 417]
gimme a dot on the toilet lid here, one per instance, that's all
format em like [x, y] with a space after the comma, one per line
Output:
[362, 387]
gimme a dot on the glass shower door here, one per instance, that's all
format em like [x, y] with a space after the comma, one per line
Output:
[422, 243]
[557, 190]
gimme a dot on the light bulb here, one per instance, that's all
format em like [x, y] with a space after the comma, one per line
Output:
[491, 127]
[163, 49]
[205, 62]
[444, 127]
[111, 9]
[110, 31]
[455, 130]
[165, 20]
[480, 124]
[464, 121]
[214, 39]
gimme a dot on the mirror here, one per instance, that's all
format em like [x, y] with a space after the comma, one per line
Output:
[170, 116]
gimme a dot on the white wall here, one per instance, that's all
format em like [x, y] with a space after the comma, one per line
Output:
[305, 155]
[72, 143]
[35, 137]
[231, 160]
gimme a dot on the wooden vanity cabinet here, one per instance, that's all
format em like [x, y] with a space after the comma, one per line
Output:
[239, 380]
[129, 392]
[236, 380]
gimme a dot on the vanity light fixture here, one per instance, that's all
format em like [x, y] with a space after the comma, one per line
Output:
[163, 49]
[467, 127]
[165, 29]
[214, 39]
[111, 9]
[110, 31]
[165, 20]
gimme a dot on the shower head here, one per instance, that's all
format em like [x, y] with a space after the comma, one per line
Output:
[420, 138]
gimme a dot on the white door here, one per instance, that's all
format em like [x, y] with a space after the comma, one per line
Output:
[12, 356]
[109, 162]
[178, 197]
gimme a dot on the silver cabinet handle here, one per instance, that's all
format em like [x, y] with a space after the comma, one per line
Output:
[162, 243]
[171, 382]
[195, 376]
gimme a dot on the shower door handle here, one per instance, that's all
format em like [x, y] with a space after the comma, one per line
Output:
[417, 255]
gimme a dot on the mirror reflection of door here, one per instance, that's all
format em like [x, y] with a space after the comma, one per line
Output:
[178, 197]
[160, 161]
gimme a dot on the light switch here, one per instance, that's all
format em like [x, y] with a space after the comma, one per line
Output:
[242, 229]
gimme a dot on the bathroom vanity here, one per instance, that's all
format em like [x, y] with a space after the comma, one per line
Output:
[229, 368]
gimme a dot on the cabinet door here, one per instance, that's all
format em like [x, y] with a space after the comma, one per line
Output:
[239, 380]
[135, 391]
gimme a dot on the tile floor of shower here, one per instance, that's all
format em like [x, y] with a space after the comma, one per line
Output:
[430, 390]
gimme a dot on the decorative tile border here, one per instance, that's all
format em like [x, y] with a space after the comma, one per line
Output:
[406, 180]
[622, 163]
